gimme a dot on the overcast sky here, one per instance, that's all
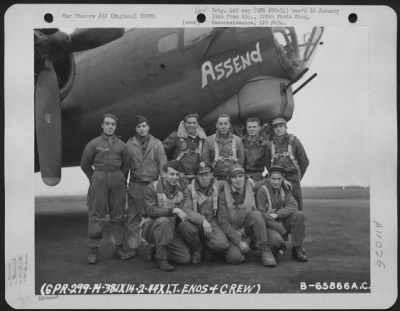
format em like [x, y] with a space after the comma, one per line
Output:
[330, 117]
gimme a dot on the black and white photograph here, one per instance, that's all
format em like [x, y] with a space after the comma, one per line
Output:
[236, 160]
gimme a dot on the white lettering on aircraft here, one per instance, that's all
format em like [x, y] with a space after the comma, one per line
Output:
[232, 64]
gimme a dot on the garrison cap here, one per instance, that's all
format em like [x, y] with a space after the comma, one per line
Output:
[277, 169]
[140, 119]
[203, 168]
[278, 120]
[236, 169]
[174, 164]
[110, 115]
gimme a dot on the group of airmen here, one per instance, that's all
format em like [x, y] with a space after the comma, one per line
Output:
[193, 197]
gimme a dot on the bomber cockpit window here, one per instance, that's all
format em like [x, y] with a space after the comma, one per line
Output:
[193, 35]
[168, 43]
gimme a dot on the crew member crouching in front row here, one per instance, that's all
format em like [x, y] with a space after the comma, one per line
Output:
[238, 217]
[281, 215]
[164, 223]
[201, 202]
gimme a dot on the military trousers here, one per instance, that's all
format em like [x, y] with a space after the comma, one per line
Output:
[256, 176]
[217, 240]
[135, 212]
[254, 225]
[296, 191]
[107, 190]
[294, 224]
[172, 242]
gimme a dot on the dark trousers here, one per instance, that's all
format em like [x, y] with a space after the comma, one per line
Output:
[217, 240]
[170, 242]
[296, 192]
[135, 212]
[107, 189]
[254, 225]
[256, 176]
[295, 225]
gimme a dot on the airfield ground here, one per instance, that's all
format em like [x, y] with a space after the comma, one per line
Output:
[337, 243]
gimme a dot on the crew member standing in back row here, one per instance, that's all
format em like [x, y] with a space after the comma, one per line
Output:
[223, 149]
[109, 157]
[186, 144]
[147, 159]
[286, 150]
[255, 149]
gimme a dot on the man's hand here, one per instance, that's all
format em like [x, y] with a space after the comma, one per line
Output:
[244, 247]
[274, 216]
[272, 213]
[181, 214]
[288, 184]
[241, 232]
[207, 228]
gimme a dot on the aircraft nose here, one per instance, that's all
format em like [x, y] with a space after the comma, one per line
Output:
[265, 99]
[262, 97]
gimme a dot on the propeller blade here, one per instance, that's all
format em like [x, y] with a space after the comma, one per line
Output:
[85, 39]
[48, 124]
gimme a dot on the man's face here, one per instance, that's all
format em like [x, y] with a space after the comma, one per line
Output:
[223, 125]
[238, 181]
[172, 176]
[276, 180]
[253, 128]
[143, 129]
[109, 126]
[191, 125]
[280, 129]
[204, 179]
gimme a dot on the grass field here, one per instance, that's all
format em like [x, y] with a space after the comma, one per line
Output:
[337, 244]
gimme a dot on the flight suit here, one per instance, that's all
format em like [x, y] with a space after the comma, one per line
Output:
[282, 158]
[201, 204]
[222, 153]
[255, 150]
[186, 149]
[147, 158]
[110, 159]
[290, 219]
[237, 212]
[173, 238]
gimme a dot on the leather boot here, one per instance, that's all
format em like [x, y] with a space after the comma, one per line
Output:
[162, 259]
[93, 255]
[120, 254]
[196, 256]
[207, 254]
[299, 254]
[164, 265]
[276, 251]
[267, 258]
[151, 252]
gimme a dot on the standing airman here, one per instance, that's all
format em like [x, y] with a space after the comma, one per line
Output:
[147, 158]
[255, 149]
[186, 145]
[105, 161]
[223, 149]
[286, 150]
